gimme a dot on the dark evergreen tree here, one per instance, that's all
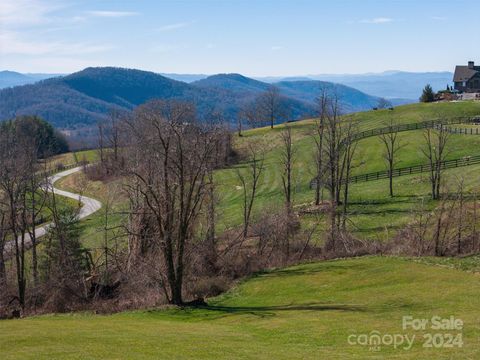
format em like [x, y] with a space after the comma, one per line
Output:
[65, 260]
[427, 95]
[42, 135]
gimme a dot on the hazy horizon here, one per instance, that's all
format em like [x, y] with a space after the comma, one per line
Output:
[256, 38]
[236, 72]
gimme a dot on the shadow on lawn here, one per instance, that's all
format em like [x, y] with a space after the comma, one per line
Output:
[333, 267]
[267, 311]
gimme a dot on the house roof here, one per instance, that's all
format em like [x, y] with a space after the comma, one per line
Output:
[464, 73]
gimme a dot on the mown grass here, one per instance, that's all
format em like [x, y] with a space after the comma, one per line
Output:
[302, 312]
[373, 213]
[113, 198]
[72, 158]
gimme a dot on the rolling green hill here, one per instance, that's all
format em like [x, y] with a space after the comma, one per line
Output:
[372, 209]
[373, 213]
[308, 311]
[303, 312]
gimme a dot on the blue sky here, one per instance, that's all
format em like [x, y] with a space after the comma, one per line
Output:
[253, 37]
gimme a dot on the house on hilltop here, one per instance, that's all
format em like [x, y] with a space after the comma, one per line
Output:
[467, 78]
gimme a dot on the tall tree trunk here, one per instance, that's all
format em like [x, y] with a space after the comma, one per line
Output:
[390, 176]
[3, 278]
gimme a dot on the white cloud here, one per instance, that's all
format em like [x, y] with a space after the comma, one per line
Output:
[12, 44]
[25, 22]
[172, 27]
[26, 12]
[276, 48]
[439, 18]
[111, 14]
[378, 20]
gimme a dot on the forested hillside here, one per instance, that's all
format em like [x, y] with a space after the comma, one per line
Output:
[83, 98]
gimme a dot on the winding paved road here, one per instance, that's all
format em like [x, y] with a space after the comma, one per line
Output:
[89, 206]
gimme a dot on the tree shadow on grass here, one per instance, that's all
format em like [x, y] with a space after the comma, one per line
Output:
[269, 311]
[333, 267]
[402, 199]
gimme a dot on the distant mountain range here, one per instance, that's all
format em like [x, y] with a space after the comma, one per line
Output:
[12, 78]
[397, 86]
[81, 99]
[392, 84]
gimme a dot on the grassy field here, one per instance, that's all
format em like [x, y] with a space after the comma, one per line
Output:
[307, 311]
[303, 312]
[72, 158]
[110, 193]
[372, 208]
[373, 213]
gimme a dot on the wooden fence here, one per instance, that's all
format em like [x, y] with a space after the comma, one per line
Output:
[464, 131]
[414, 126]
[465, 161]
[410, 170]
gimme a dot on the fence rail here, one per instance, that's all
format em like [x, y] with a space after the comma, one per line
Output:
[416, 169]
[464, 131]
[410, 170]
[415, 126]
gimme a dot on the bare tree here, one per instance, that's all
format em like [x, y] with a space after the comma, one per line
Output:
[15, 168]
[435, 150]
[338, 148]
[347, 165]
[113, 134]
[384, 104]
[323, 101]
[101, 141]
[392, 145]
[3, 240]
[288, 157]
[109, 141]
[474, 233]
[211, 201]
[249, 183]
[34, 204]
[168, 164]
[251, 114]
[461, 214]
[271, 105]
[443, 225]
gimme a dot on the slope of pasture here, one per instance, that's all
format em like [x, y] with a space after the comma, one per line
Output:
[109, 219]
[368, 158]
[302, 312]
[373, 213]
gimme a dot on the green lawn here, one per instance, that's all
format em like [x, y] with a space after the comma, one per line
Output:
[93, 226]
[72, 158]
[303, 312]
[373, 213]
